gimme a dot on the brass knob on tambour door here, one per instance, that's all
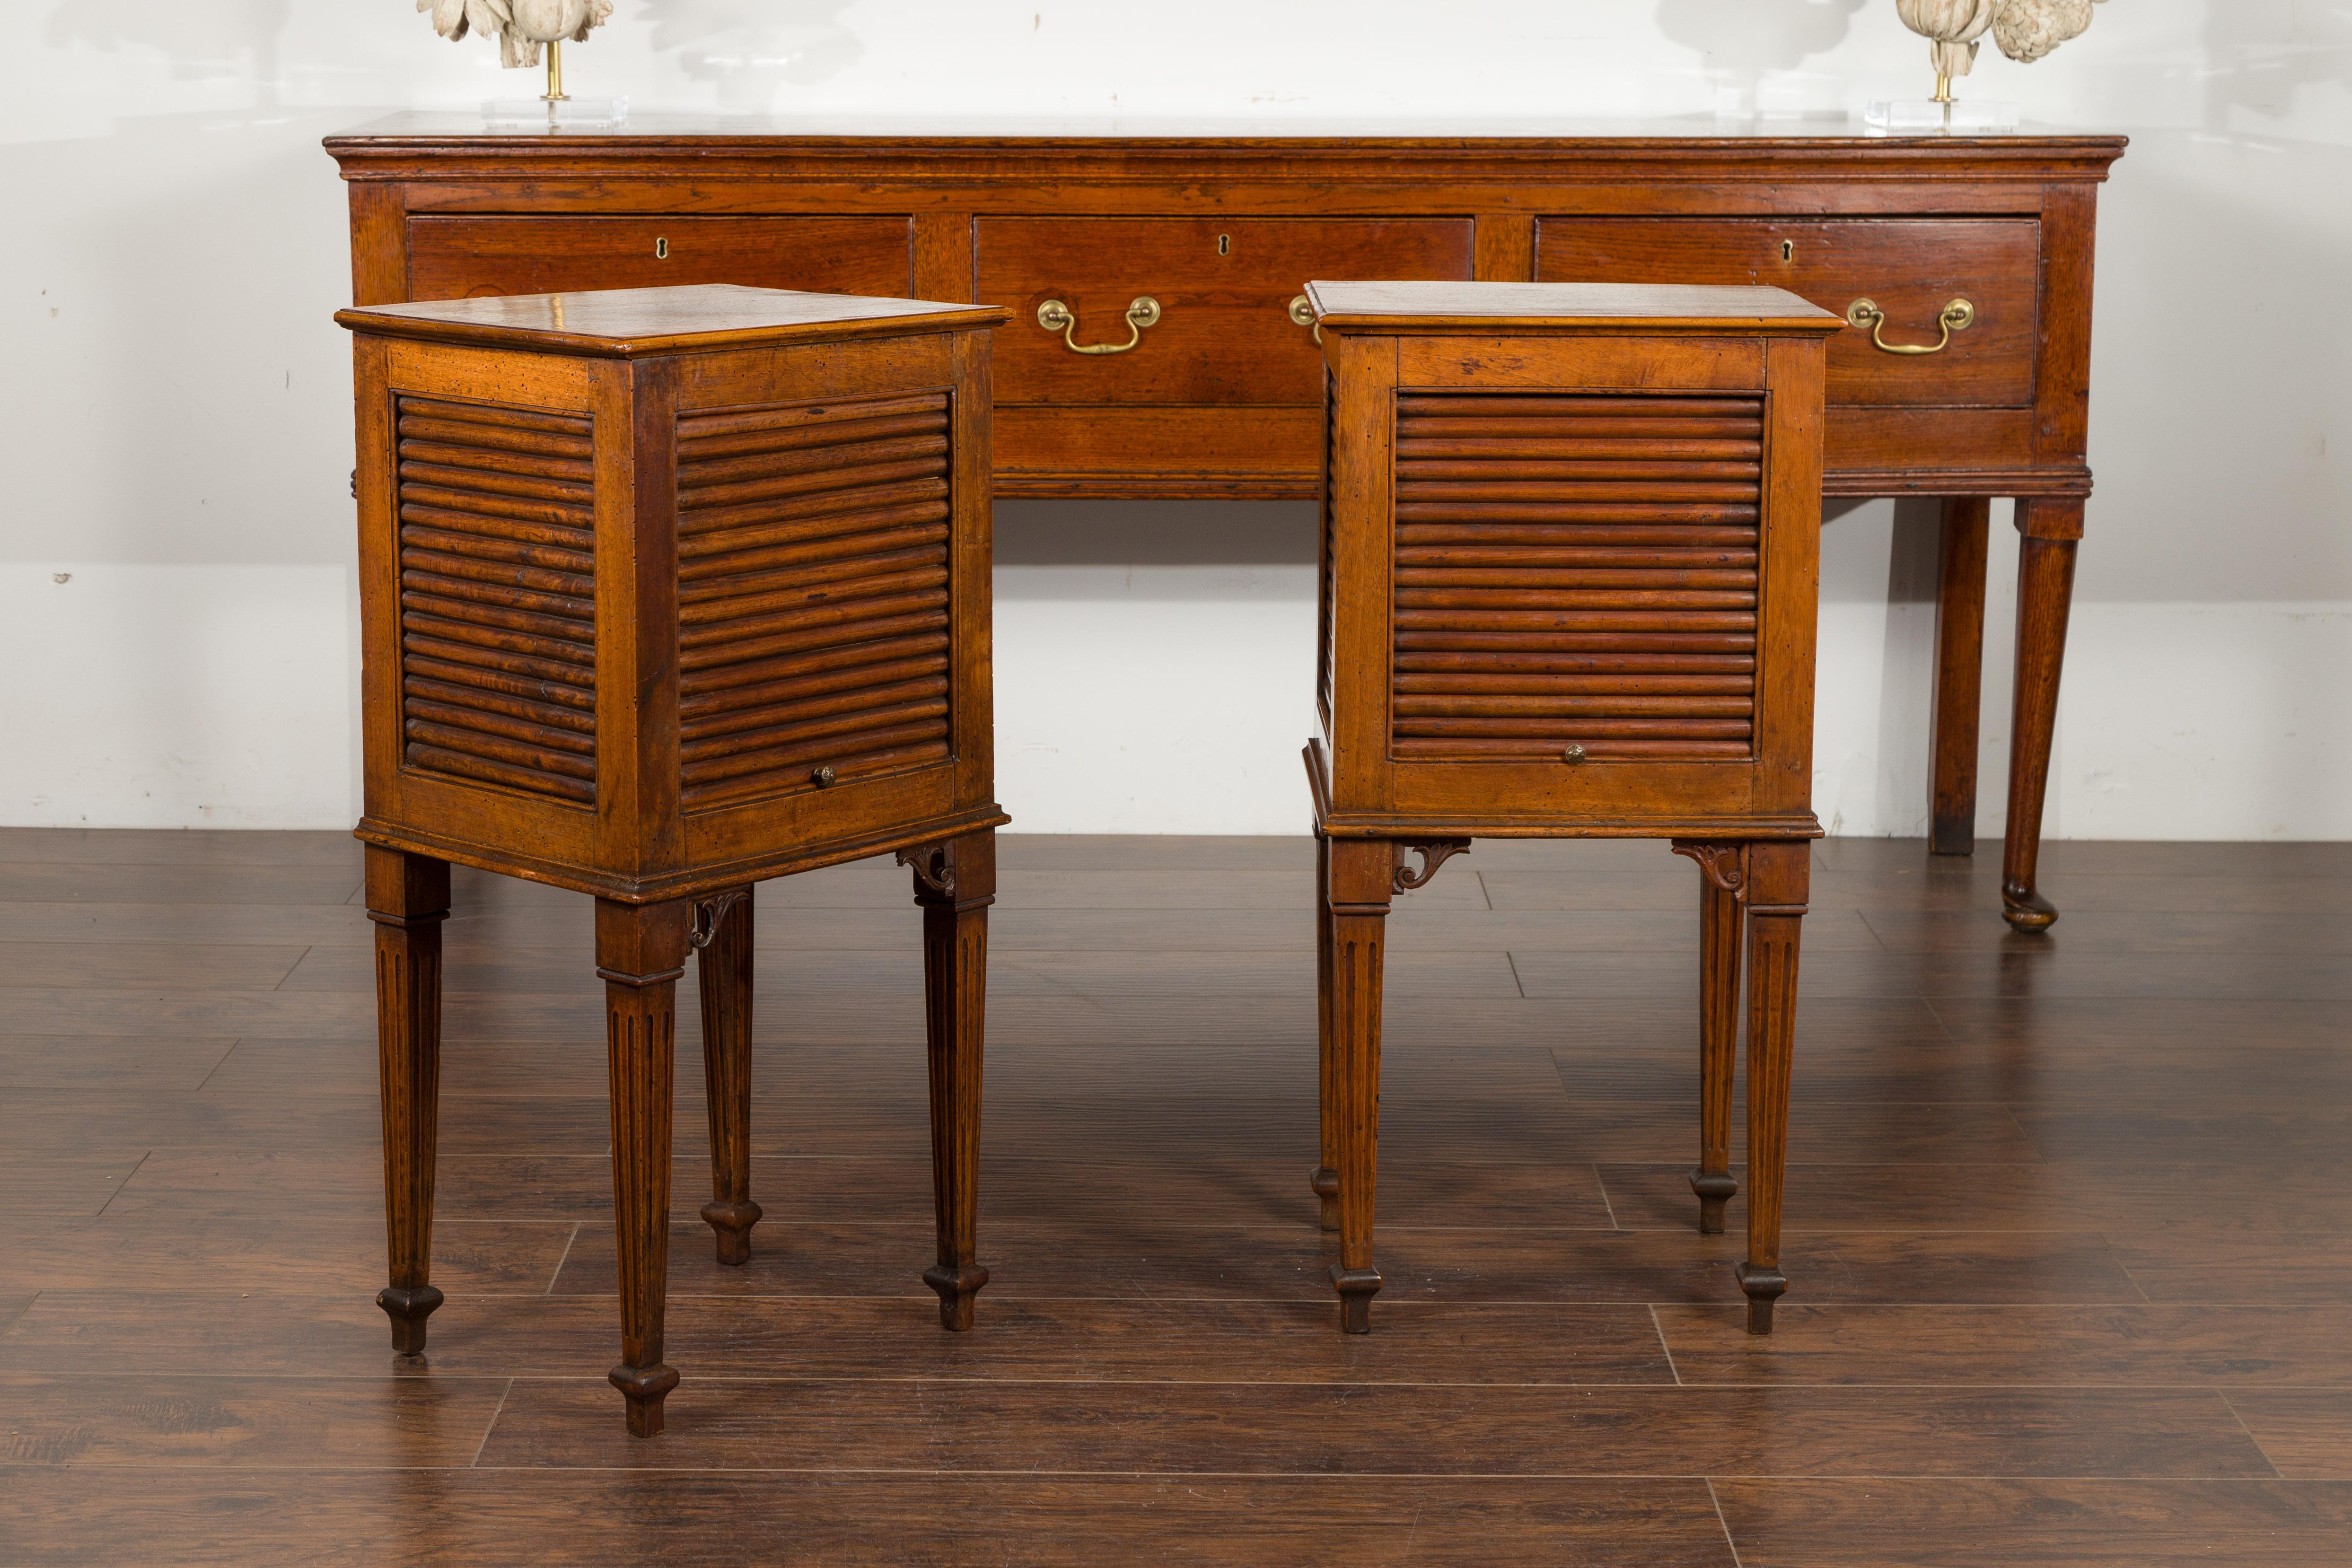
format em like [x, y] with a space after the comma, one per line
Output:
[1573, 755]
[821, 777]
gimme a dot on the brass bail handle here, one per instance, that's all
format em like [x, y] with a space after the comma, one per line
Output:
[1057, 317]
[1957, 316]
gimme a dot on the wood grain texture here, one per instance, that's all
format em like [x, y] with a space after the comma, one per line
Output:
[1959, 676]
[461, 1519]
[452, 258]
[2089, 1307]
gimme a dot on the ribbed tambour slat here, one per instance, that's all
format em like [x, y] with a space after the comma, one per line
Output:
[812, 594]
[497, 596]
[1576, 571]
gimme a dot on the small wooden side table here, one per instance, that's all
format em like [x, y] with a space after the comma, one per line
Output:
[1570, 572]
[666, 591]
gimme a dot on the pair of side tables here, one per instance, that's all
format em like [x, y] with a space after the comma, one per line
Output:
[668, 591]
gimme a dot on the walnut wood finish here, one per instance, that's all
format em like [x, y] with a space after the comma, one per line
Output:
[1324, 1180]
[666, 591]
[641, 955]
[1723, 880]
[2045, 588]
[1569, 583]
[1358, 886]
[1219, 398]
[1960, 675]
[407, 900]
[722, 937]
[954, 883]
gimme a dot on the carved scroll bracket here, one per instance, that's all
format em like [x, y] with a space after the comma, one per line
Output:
[1434, 852]
[1726, 865]
[934, 869]
[708, 912]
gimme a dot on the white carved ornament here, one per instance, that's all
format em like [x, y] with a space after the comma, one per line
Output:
[2025, 30]
[520, 26]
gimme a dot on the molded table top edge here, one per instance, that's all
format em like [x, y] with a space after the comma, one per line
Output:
[463, 135]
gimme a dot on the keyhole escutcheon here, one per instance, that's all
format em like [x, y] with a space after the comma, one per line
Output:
[1224, 244]
[661, 249]
[1787, 250]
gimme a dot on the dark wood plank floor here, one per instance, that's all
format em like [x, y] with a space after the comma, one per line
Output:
[2071, 1227]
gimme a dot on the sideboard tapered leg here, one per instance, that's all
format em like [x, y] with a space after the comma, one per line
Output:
[955, 882]
[2052, 529]
[408, 898]
[1325, 1180]
[1777, 875]
[1959, 676]
[641, 953]
[723, 931]
[1360, 891]
[1722, 870]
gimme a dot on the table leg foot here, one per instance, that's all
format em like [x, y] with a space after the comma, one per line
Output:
[409, 1306]
[1713, 1190]
[733, 1222]
[645, 1387]
[2026, 910]
[1764, 1287]
[956, 1286]
[1357, 1287]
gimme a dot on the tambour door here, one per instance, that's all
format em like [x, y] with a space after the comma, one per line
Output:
[455, 257]
[1574, 576]
[1594, 583]
[815, 614]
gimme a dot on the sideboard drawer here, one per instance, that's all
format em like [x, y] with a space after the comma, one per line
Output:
[1912, 268]
[462, 257]
[1225, 334]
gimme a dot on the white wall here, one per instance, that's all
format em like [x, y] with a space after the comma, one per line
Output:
[174, 415]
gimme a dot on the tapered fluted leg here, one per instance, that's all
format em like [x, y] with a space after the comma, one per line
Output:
[1960, 675]
[408, 898]
[641, 953]
[1722, 868]
[723, 927]
[955, 882]
[1777, 875]
[1326, 1177]
[1359, 890]
[2045, 591]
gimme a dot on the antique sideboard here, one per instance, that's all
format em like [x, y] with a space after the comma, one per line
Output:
[1159, 346]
